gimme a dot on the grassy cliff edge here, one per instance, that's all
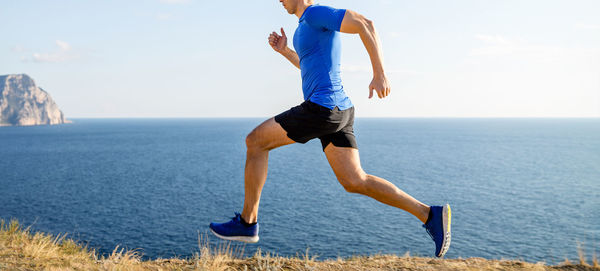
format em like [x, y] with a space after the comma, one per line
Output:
[22, 249]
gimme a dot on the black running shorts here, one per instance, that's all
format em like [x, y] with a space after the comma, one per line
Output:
[310, 120]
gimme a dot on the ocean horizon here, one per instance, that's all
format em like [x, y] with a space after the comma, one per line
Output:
[520, 188]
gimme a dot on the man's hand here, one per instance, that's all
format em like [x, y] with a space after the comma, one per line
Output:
[380, 85]
[277, 42]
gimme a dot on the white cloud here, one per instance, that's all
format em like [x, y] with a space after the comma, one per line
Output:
[356, 68]
[493, 39]
[386, 2]
[64, 46]
[18, 49]
[50, 57]
[588, 26]
[163, 16]
[394, 34]
[369, 69]
[64, 54]
[500, 46]
[494, 45]
[175, 1]
[507, 76]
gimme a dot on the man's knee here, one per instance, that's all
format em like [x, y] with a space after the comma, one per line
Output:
[253, 141]
[355, 183]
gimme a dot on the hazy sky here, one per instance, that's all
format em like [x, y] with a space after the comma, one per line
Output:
[197, 58]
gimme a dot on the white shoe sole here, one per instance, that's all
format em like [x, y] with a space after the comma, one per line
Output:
[446, 220]
[247, 239]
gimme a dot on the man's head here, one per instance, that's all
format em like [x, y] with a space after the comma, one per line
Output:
[292, 5]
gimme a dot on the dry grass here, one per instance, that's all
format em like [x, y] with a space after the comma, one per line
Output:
[21, 249]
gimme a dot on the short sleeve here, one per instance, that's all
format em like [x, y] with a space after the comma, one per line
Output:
[325, 17]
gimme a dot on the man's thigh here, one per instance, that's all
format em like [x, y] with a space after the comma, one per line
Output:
[268, 135]
[344, 161]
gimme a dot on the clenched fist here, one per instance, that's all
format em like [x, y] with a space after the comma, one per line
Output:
[277, 42]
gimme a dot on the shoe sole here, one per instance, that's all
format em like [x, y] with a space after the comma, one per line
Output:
[446, 220]
[246, 239]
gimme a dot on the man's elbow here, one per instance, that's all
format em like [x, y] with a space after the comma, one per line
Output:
[367, 25]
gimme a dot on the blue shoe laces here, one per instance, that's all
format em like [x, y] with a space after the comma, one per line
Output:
[428, 232]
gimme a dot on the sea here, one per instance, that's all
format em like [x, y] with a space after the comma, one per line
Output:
[519, 188]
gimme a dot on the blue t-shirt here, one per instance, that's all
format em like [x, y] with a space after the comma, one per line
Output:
[317, 42]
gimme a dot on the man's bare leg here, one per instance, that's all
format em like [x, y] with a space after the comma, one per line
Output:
[259, 142]
[345, 163]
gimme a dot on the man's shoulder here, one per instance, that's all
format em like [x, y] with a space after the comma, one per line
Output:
[324, 16]
[317, 9]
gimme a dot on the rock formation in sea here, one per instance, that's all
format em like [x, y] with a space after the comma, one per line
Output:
[23, 103]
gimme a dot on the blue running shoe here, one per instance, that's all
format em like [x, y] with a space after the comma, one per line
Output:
[235, 230]
[438, 227]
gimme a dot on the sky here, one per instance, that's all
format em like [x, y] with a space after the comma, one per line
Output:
[198, 58]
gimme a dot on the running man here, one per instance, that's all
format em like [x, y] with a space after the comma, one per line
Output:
[328, 114]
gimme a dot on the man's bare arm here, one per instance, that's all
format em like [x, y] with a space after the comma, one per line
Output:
[291, 56]
[279, 44]
[355, 23]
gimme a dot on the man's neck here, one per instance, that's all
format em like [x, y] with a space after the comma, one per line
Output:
[301, 8]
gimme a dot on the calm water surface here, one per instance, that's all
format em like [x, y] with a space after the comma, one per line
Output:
[519, 188]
